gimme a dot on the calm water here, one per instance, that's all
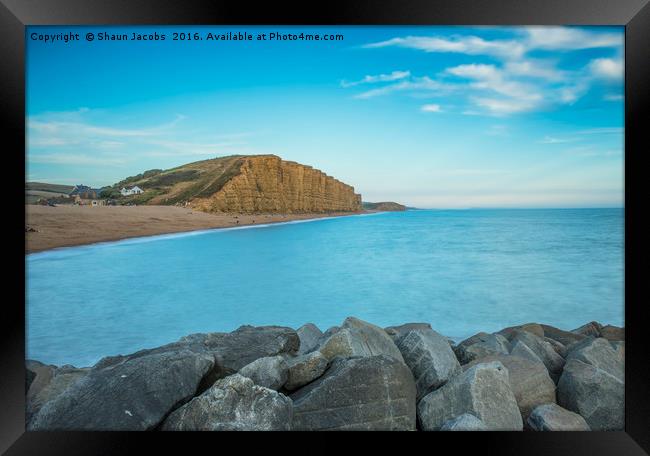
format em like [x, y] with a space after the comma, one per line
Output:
[463, 271]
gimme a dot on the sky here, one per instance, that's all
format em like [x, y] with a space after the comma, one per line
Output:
[431, 117]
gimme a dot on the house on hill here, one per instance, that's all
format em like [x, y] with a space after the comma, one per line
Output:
[83, 192]
[131, 191]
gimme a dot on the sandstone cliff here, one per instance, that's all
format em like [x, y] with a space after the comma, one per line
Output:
[246, 184]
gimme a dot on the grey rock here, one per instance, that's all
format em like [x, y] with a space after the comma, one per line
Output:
[359, 338]
[532, 328]
[464, 422]
[619, 348]
[566, 338]
[305, 369]
[521, 350]
[599, 353]
[481, 345]
[271, 372]
[309, 335]
[397, 332]
[63, 378]
[594, 394]
[543, 350]
[591, 329]
[610, 332]
[41, 375]
[430, 358]
[559, 348]
[529, 381]
[482, 390]
[369, 393]
[134, 393]
[233, 403]
[552, 417]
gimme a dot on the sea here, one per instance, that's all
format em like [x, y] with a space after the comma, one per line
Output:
[462, 271]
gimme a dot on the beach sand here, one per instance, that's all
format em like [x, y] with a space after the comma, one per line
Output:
[64, 226]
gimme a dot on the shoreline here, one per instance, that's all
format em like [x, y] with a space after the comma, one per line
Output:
[74, 226]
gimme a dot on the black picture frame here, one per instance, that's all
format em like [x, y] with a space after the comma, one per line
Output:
[15, 15]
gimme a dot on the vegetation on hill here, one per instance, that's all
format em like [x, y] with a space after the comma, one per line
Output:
[383, 206]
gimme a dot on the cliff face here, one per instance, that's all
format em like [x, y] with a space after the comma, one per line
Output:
[268, 184]
[244, 184]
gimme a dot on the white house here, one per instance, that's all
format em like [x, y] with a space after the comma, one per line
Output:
[131, 191]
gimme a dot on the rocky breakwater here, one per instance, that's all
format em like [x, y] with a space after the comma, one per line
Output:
[354, 377]
[268, 184]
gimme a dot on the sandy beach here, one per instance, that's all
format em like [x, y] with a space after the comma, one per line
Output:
[65, 226]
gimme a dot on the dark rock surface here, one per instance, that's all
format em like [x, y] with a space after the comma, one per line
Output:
[552, 417]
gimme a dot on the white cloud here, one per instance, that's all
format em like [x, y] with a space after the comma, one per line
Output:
[554, 140]
[614, 97]
[431, 108]
[471, 45]
[607, 68]
[369, 79]
[504, 106]
[569, 38]
[415, 84]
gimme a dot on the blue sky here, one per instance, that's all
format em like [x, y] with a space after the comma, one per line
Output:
[433, 117]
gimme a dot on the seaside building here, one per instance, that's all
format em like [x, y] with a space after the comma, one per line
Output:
[131, 191]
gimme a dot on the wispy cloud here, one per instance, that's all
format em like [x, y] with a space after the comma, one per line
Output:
[369, 79]
[415, 84]
[431, 108]
[607, 68]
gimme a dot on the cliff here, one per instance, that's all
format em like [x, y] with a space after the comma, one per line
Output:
[246, 184]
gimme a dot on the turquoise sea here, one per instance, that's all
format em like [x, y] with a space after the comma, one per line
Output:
[463, 271]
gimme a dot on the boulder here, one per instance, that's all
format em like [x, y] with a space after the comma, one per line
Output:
[305, 369]
[619, 348]
[481, 345]
[41, 374]
[544, 352]
[64, 377]
[559, 348]
[358, 338]
[133, 393]
[233, 403]
[594, 394]
[532, 328]
[529, 381]
[482, 390]
[430, 358]
[599, 353]
[521, 350]
[566, 338]
[397, 332]
[552, 417]
[369, 393]
[271, 372]
[610, 332]
[464, 422]
[309, 335]
[591, 329]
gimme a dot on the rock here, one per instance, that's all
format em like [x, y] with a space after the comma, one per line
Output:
[270, 372]
[529, 381]
[370, 393]
[552, 417]
[610, 332]
[464, 422]
[358, 338]
[566, 338]
[133, 393]
[591, 329]
[309, 335]
[305, 369]
[397, 332]
[559, 348]
[521, 350]
[233, 403]
[599, 353]
[430, 358]
[41, 375]
[543, 350]
[532, 328]
[619, 348]
[594, 394]
[63, 377]
[482, 390]
[481, 345]
[329, 331]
